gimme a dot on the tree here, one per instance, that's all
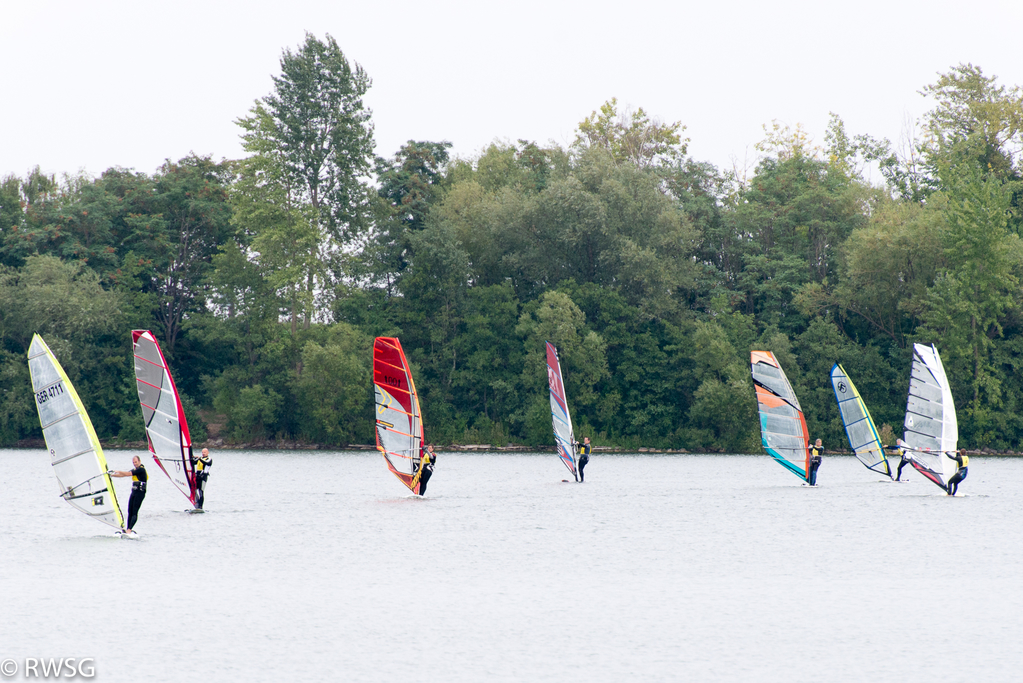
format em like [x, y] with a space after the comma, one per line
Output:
[313, 140]
[631, 136]
[410, 184]
[975, 120]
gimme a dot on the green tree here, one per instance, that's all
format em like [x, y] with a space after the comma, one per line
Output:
[631, 136]
[314, 139]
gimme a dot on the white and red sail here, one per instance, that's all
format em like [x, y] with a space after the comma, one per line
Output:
[399, 423]
[564, 436]
[166, 427]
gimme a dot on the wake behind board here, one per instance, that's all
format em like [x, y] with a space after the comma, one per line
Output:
[123, 534]
[195, 511]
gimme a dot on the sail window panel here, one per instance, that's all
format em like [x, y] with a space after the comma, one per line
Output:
[149, 373]
[921, 373]
[793, 448]
[146, 348]
[764, 371]
[780, 387]
[67, 437]
[80, 473]
[149, 397]
[851, 411]
[782, 426]
[926, 392]
[783, 410]
[167, 433]
[564, 432]
[924, 425]
[860, 434]
[44, 373]
[922, 442]
[55, 405]
[927, 409]
[921, 424]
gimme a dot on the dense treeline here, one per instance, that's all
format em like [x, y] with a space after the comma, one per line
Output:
[267, 278]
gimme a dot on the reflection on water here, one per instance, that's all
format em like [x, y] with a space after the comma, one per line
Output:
[321, 566]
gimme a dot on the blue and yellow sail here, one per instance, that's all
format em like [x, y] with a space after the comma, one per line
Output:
[859, 426]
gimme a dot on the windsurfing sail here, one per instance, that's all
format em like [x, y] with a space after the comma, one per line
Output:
[164, 417]
[859, 427]
[75, 452]
[931, 427]
[399, 421]
[564, 438]
[782, 425]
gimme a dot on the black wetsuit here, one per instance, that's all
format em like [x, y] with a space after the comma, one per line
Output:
[902, 462]
[138, 493]
[202, 473]
[962, 461]
[815, 462]
[584, 457]
[426, 471]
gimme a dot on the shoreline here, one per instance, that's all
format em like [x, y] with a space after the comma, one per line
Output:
[220, 444]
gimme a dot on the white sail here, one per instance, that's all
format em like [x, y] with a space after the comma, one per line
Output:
[75, 452]
[931, 427]
[164, 417]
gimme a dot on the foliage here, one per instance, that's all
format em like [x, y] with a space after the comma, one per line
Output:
[654, 274]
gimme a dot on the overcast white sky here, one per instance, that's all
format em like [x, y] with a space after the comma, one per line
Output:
[90, 84]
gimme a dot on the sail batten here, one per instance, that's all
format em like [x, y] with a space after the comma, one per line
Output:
[859, 426]
[75, 451]
[782, 425]
[931, 429]
[170, 442]
[399, 424]
[564, 436]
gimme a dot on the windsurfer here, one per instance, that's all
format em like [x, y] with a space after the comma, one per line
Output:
[900, 450]
[426, 468]
[816, 450]
[139, 477]
[962, 460]
[202, 466]
[584, 455]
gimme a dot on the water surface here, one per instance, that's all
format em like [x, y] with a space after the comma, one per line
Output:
[320, 566]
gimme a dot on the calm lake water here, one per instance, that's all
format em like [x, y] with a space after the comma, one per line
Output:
[314, 566]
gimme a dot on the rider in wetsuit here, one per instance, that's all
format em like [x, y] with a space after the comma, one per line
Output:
[816, 450]
[202, 466]
[962, 460]
[900, 449]
[584, 455]
[426, 468]
[139, 478]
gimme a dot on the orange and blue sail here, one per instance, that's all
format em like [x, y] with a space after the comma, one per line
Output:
[564, 437]
[782, 425]
[859, 426]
